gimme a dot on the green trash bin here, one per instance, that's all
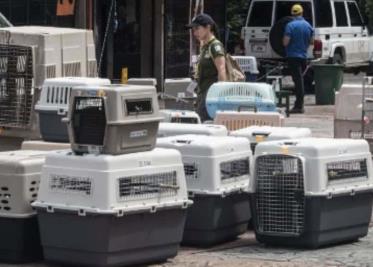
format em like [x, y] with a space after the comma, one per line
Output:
[328, 79]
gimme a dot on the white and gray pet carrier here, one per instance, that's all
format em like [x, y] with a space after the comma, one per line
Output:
[171, 129]
[217, 170]
[312, 192]
[180, 116]
[258, 134]
[54, 102]
[19, 184]
[112, 210]
[113, 119]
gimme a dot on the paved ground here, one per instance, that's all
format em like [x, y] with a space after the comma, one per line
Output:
[245, 251]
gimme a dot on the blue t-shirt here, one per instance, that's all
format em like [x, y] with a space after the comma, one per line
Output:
[300, 33]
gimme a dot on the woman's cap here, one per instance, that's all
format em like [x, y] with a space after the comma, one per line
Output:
[201, 20]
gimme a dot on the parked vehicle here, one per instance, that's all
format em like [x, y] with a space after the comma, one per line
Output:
[341, 35]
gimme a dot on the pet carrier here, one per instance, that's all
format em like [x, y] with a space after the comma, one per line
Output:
[28, 56]
[112, 210]
[44, 146]
[217, 170]
[56, 51]
[249, 66]
[54, 102]
[257, 134]
[312, 192]
[91, 56]
[235, 95]
[171, 129]
[19, 182]
[113, 119]
[235, 120]
[180, 116]
[177, 87]
[143, 81]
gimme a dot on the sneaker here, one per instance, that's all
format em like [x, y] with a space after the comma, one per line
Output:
[296, 110]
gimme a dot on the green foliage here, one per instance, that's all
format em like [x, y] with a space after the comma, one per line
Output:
[236, 19]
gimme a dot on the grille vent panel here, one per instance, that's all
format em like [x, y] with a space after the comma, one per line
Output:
[191, 171]
[280, 195]
[148, 186]
[234, 169]
[347, 169]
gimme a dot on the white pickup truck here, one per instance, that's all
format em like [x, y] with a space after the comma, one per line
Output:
[340, 33]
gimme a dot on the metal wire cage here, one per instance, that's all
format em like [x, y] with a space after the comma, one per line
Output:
[16, 86]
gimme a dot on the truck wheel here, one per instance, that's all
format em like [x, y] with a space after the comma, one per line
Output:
[336, 59]
[277, 33]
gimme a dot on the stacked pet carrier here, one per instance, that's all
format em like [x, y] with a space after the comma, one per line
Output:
[217, 171]
[54, 102]
[19, 183]
[236, 96]
[348, 111]
[171, 129]
[28, 56]
[249, 66]
[234, 120]
[180, 116]
[312, 192]
[176, 94]
[113, 119]
[115, 200]
[258, 134]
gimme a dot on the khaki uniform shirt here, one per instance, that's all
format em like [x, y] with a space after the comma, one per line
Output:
[207, 72]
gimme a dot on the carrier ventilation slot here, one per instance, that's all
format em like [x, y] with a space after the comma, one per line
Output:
[58, 95]
[16, 91]
[347, 169]
[68, 184]
[5, 199]
[184, 120]
[50, 71]
[72, 69]
[191, 171]
[139, 106]
[148, 186]
[280, 195]
[92, 68]
[253, 146]
[89, 120]
[234, 169]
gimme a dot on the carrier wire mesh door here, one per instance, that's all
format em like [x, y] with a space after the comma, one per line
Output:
[16, 92]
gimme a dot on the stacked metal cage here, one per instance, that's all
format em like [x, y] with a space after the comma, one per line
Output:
[19, 184]
[217, 171]
[312, 192]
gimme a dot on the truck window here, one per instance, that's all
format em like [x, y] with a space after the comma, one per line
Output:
[324, 16]
[261, 14]
[283, 9]
[340, 14]
[355, 16]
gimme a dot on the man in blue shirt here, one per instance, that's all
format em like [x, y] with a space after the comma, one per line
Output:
[298, 37]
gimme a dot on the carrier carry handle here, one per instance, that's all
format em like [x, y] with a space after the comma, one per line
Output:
[260, 133]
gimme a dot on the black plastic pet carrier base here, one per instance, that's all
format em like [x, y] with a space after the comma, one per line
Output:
[106, 240]
[20, 241]
[215, 219]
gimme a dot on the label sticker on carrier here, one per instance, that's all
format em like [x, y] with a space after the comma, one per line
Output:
[139, 134]
[94, 150]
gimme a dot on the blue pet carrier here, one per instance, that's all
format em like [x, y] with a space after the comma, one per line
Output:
[233, 96]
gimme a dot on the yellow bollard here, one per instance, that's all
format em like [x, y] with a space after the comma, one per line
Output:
[124, 76]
